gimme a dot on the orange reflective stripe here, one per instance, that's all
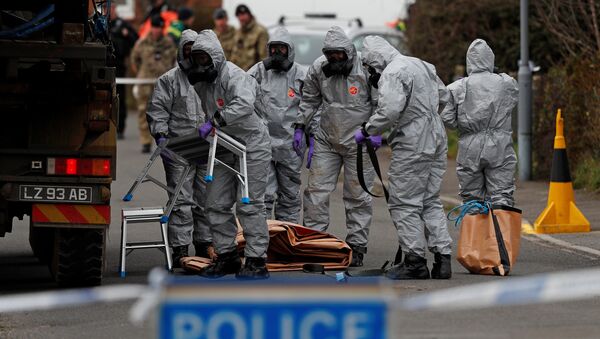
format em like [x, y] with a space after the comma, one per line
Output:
[53, 214]
[37, 215]
[93, 214]
[71, 214]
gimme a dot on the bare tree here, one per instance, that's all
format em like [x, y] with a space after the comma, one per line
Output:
[574, 23]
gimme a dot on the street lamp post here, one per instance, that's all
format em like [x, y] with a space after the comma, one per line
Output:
[524, 97]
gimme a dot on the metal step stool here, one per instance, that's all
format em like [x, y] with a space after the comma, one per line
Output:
[143, 215]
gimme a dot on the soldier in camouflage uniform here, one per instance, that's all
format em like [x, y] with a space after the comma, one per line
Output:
[250, 40]
[225, 32]
[151, 57]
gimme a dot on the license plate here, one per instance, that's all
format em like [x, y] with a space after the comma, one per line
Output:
[55, 193]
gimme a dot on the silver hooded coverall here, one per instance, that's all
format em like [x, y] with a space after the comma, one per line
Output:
[410, 97]
[482, 107]
[346, 104]
[277, 101]
[174, 110]
[232, 94]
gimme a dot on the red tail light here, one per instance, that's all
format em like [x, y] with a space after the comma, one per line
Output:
[93, 167]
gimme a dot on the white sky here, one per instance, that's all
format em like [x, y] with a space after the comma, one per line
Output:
[372, 13]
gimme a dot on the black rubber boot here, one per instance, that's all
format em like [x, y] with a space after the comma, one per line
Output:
[254, 269]
[178, 253]
[201, 249]
[442, 267]
[413, 267]
[226, 263]
[358, 254]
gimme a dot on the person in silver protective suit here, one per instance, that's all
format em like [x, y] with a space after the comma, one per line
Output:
[280, 81]
[174, 110]
[482, 110]
[410, 96]
[227, 94]
[337, 86]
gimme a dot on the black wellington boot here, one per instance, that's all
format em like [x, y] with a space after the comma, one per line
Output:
[254, 269]
[201, 249]
[358, 253]
[226, 263]
[413, 267]
[178, 253]
[442, 267]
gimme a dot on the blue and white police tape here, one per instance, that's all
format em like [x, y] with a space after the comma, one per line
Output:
[40, 301]
[147, 297]
[536, 289]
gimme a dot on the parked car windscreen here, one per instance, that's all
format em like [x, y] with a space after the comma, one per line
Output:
[308, 47]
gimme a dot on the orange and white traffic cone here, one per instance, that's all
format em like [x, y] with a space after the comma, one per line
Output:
[561, 214]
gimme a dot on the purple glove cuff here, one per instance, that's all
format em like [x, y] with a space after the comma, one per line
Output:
[297, 145]
[205, 129]
[359, 136]
[311, 151]
[376, 141]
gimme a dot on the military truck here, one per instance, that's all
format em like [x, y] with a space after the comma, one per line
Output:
[58, 111]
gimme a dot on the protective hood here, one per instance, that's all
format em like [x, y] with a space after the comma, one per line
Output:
[186, 36]
[208, 42]
[282, 36]
[480, 57]
[377, 52]
[336, 39]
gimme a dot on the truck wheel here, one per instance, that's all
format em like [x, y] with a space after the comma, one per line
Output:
[79, 257]
[41, 240]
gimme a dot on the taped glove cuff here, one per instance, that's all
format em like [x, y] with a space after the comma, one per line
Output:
[218, 120]
[363, 130]
[299, 126]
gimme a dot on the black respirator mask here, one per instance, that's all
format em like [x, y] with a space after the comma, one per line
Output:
[337, 67]
[373, 76]
[277, 61]
[201, 71]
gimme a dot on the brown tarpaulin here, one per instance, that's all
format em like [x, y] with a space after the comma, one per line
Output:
[290, 247]
[479, 250]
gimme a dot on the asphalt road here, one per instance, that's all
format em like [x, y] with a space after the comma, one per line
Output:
[20, 272]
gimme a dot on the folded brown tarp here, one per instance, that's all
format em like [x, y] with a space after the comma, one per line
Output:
[290, 247]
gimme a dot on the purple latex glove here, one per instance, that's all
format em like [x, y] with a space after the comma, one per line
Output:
[359, 136]
[311, 150]
[375, 141]
[298, 135]
[160, 140]
[205, 129]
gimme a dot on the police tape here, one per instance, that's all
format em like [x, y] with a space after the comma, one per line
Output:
[536, 289]
[40, 301]
[136, 81]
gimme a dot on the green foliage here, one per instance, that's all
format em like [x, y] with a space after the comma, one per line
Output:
[574, 87]
[452, 143]
[587, 175]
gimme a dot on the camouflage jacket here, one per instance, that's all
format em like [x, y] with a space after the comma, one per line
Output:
[250, 45]
[227, 40]
[153, 58]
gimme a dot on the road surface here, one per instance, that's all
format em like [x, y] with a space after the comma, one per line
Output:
[20, 272]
